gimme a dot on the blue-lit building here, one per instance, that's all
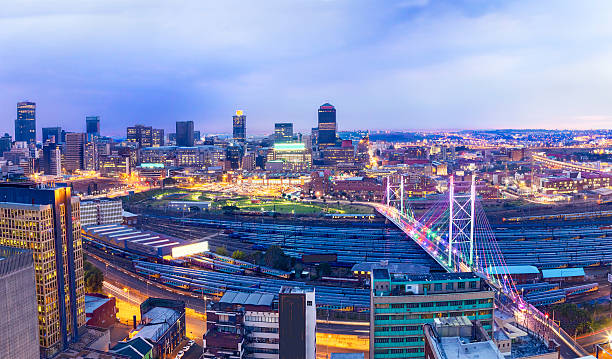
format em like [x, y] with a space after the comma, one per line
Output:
[327, 125]
[400, 304]
[25, 124]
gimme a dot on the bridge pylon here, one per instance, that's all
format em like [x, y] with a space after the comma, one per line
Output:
[396, 195]
[461, 207]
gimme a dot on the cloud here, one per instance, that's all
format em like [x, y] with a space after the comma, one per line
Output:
[392, 64]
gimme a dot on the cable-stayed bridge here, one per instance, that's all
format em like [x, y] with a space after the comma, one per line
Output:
[455, 232]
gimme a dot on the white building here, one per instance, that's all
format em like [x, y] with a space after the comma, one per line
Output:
[101, 212]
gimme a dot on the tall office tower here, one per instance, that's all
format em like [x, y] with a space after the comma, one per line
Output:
[92, 124]
[47, 222]
[19, 324]
[416, 299]
[197, 136]
[25, 124]
[51, 163]
[283, 132]
[157, 137]
[74, 156]
[233, 156]
[184, 133]
[5, 143]
[297, 323]
[239, 126]
[90, 156]
[53, 134]
[143, 135]
[327, 125]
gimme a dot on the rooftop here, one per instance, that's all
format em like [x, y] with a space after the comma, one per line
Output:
[93, 302]
[233, 297]
[562, 272]
[392, 267]
[512, 270]
[461, 348]
[159, 319]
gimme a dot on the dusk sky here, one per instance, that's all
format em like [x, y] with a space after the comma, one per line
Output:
[412, 64]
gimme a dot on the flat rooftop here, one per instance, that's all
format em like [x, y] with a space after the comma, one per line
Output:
[461, 348]
[243, 298]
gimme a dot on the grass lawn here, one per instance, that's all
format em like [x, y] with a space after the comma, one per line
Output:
[161, 198]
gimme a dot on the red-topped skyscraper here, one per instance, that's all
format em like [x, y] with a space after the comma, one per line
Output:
[327, 125]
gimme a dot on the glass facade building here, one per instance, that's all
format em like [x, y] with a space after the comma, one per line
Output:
[47, 222]
[401, 303]
[327, 125]
[184, 133]
[92, 124]
[25, 124]
[239, 126]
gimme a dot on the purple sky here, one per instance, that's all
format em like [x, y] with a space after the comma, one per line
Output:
[412, 64]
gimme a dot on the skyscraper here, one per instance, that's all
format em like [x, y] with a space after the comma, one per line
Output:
[5, 143]
[283, 132]
[54, 133]
[25, 124]
[239, 126]
[327, 125]
[47, 222]
[74, 157]
[92, 124]
[51, 163]
[143, 135]
[157, 137]
[184, 133]
[19, 324]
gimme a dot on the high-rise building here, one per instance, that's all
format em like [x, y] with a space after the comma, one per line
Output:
[19, 324]
[233, 156]
[53, 134]
[90, 156]
[283, 132]
[197, 136]
[157, 137]
[74, 156]
[25, 124]
[326, 135]
[5, 143]
[142, 135]
[92, 124]
[47, 222]
[297, 323]
[401, 303]
[51, 163]
[239, 126]
[184, 133]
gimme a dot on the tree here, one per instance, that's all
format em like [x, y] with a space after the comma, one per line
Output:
[239, 255]
[222, 251]
[93, 278]
[324, 269]
[276, 258]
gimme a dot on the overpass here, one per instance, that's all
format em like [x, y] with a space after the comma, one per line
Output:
[564, 165]
[456, 234]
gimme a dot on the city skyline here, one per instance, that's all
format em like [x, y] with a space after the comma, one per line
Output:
[512, 65]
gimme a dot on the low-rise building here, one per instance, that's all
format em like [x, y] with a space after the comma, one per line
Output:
[104, 211]
[100, 310]
[401, 303]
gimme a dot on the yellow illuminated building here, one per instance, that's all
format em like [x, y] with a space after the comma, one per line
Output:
[44, 220]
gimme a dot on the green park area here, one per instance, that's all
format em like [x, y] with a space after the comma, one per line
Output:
[160, 198]
[281, 205]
